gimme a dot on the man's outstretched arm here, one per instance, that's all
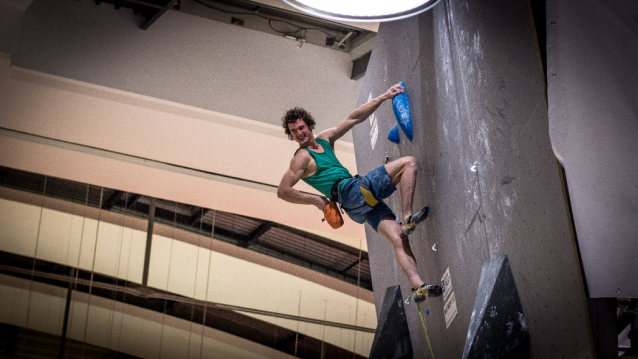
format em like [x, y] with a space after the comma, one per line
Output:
[359, 115]
[285, 191]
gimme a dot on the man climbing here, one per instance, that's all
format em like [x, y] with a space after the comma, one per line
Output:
[361, 197]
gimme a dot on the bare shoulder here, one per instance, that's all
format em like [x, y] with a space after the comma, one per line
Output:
[325, 134]
[300, 160]
[328, 135]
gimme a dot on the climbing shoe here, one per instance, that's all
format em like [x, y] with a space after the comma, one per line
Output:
[426, 291]
[414, 219]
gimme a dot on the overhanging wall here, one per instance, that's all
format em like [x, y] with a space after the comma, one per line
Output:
[486, 168]
[592, 65]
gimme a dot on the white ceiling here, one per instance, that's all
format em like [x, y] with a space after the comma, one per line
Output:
[371, 26]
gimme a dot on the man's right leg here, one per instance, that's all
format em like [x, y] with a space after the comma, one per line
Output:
[404, 170]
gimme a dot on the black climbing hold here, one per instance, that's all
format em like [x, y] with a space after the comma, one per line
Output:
[392, 338]
[498, 324]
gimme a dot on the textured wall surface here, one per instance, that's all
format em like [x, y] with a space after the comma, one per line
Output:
[486, 169]
[592, 52]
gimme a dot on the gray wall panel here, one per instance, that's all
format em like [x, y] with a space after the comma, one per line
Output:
[592, 61]
[476, 91]
[11, 22]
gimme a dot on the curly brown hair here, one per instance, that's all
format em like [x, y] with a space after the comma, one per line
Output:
[293, 115]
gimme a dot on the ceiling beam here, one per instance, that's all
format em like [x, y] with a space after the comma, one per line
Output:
[147, 4]
[350, 266]
[112, 200]
[159, 13]
[229, 236]
[295, 337]
[130, 202]
[260, 231]
[198, 215]
[255, 234]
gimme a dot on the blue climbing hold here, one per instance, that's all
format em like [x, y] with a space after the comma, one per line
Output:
[427, 311]
[402, 112]
[393, 135]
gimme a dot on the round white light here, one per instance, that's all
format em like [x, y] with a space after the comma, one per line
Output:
[363, 10]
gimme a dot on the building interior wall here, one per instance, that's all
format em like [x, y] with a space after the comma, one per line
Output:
[114, 245]
[184, 111]
[120, 327]
[155, 147]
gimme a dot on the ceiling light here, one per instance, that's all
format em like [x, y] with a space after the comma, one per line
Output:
[362, 10]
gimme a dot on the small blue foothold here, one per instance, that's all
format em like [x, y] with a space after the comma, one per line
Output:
[393, 135]
[427, 311]
[402, 112]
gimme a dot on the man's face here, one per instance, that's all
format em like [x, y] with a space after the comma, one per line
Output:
[300, 132]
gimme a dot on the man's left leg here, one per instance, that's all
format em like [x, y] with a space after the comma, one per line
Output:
[390, 229]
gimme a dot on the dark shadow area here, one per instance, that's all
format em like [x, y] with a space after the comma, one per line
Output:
[602, 316]
[16, 342]
[392, 338]
[522, 351]
[540, 18]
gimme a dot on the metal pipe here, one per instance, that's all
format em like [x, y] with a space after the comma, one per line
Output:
[65, 324]
[149, 239]
[345, 38]
[633, 332]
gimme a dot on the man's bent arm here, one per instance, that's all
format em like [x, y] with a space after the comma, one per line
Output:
[359, 115]
[290, 178]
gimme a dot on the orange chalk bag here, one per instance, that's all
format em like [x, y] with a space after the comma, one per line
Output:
[332, 215]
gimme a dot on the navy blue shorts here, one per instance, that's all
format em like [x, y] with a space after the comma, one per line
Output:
[352, 201]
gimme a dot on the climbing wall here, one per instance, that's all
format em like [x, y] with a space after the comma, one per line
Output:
[474, 81]
[593, 116]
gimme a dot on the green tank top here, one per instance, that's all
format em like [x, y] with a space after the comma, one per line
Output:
[329, 169]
